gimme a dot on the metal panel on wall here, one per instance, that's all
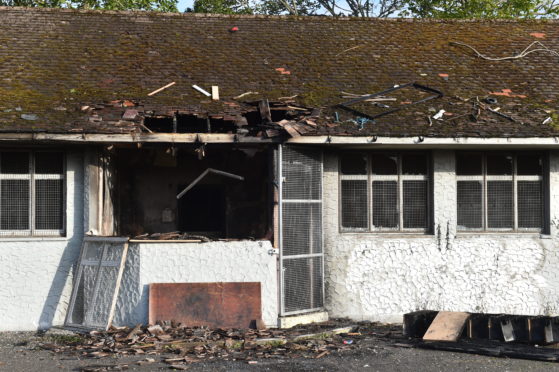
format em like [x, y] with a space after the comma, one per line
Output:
[301, 252]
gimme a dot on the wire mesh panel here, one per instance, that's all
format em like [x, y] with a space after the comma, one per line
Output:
[470, 204]
[354, 204]
[14, 205]
[500, 191]
[530, 200]
[301, 230]
[31, 193]
[97, 282]
[385, 204]
[384, 191]
[302, 172]
[500, 208]
[415, 201]
[302, 280]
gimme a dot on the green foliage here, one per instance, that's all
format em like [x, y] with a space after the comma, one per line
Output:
[481, 8]
[157, 5]
[222, 7]
[66, 339]
[302, 7]
[387, 8]
[270, 7]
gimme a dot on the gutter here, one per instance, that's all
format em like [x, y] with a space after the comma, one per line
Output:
[426, 142]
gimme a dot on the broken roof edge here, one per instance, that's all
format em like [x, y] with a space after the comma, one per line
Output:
[279, 17]
[172, 138]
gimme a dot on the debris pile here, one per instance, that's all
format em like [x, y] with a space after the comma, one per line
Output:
[180, 345]
[173, 235]
[503, 335]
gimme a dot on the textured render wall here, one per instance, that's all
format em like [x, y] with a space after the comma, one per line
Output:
[382, 276]
[36, 273]
[238, 261]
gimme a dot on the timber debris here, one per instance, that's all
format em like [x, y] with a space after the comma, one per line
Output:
[501, 335]
[178, 345]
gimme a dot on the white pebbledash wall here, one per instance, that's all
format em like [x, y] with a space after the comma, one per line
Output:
[36, 273]
[381, 276]
[368, 276]
[235, 261]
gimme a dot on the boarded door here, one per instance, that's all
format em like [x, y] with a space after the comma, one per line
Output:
[301, 252]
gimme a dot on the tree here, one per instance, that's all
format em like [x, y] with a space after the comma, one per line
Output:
[158, 5]
[363, 8]
[388, 8]
[271, 7]
[482, 8]
[357, 8]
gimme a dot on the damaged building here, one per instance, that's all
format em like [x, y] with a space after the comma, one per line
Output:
[284, 168]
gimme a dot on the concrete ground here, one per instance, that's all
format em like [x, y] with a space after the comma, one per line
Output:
[19, 352]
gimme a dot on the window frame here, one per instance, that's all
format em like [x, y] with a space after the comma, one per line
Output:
[399, 178]
[32, 176]
[515, 178]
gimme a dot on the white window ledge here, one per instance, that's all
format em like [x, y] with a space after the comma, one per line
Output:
[34, 238]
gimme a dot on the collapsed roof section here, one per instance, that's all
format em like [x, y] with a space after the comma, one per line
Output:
[58, 65]
[254, 119]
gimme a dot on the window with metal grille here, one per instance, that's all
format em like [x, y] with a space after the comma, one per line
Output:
[499, 191]
[384, 192]
[31, 193]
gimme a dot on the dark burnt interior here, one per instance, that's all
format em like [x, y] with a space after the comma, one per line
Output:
[218, 207]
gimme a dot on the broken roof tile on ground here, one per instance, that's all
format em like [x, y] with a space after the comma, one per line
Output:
[56, 62]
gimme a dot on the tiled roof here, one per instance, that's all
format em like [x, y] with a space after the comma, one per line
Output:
[54, 62]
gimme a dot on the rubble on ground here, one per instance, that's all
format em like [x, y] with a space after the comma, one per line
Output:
[179, 345]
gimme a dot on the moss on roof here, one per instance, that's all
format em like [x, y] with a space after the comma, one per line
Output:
[52, 61]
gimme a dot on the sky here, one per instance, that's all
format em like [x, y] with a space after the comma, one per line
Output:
[183, 4]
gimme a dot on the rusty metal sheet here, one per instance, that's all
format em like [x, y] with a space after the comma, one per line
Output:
[225, 305]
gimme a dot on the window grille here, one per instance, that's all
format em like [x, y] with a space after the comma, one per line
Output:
[384, 192]
[499, 191]
[31, 193]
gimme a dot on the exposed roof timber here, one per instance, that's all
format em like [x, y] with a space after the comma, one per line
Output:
[135, 138]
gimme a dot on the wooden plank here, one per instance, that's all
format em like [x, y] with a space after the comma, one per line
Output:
[264, 108]
[416, 323]
[291, 130]
[225, 305]
[150, 241]
[491, 348]
[447, 326]
[215, 93]
[117, 286]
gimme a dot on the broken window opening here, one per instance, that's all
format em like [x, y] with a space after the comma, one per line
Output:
[217, 207]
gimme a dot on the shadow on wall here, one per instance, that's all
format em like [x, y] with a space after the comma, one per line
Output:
[68, 260]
